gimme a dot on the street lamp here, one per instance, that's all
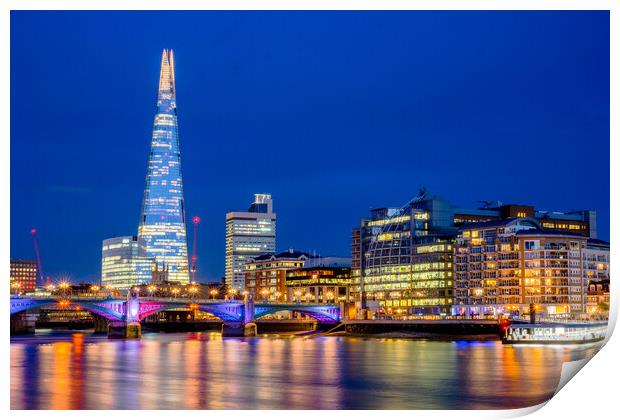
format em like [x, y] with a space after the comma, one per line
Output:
[278, 295]
[298, 295]
[94, 288]
[245, 295]
[151, 288]
[213, 293]
[64, 286]
[308, 296]
[329, 296]
[175, 292]
[192, 291]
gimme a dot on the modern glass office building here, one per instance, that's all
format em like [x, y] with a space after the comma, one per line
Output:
[248, 235]
[124, 262]
[402, 258]
[162, 221]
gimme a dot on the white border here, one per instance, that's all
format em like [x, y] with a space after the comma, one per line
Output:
[592, 394]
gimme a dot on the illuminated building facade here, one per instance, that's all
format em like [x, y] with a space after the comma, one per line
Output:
[162, 221]
[124, 262]
[248, 235]
[597, 300]
[504, 266]
[402, 258]
[319, 281]
[265, 275]
[596, 260]
[23, 276]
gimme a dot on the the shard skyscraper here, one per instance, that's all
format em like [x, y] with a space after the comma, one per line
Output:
[162, 221]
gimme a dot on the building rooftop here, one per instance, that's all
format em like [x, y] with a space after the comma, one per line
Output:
[500, 222]
[288, 254]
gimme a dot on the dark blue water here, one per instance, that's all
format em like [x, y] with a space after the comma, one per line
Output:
[206, 371]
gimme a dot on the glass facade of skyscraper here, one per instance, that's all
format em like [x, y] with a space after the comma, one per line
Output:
[162, 222]
[124, 262]
[402, 258]
[248, 235]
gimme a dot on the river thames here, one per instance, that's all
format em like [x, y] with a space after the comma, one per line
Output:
[64, 370]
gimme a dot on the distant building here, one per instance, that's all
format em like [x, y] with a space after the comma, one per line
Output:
[160, 274]
[265, 275]
[504, 266]
[319, 283]
[248, 235]
[124, 263]
[162, 220]
[23, 276]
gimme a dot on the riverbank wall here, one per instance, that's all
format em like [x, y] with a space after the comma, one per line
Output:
[435, 327]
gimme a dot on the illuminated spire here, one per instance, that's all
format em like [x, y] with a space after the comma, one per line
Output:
[166, 79]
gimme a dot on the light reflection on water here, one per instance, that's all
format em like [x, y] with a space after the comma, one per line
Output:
[205, 371]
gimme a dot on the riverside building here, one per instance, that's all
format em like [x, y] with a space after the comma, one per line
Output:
[248, 235]
[402, 258]
[265, 275]
[508, 266]
[321, 281]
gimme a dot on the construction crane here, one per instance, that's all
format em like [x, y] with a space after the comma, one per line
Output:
[33, 232]
[195, 221]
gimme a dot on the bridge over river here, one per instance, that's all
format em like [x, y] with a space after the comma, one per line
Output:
[121, 317]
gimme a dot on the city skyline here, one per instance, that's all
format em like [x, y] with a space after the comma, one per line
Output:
[311, 216]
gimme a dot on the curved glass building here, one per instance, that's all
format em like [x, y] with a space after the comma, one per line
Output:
[162, 221]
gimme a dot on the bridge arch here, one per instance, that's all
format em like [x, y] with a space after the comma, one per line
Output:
[112, 309]
[323, 314]
[227, 312]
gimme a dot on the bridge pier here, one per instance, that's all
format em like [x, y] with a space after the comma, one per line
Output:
[23, 323]
[120, 329]
[238, 329]
[101, 324]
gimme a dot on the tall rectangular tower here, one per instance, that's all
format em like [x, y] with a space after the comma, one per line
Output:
[248, 235]
[162, 222]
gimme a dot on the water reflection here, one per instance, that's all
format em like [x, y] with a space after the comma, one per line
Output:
[205, 371]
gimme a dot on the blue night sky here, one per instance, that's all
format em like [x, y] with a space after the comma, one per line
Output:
[333, 113]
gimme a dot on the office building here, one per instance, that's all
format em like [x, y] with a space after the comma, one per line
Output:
[402, 258]
[23, 276]
[162, 220]
[321, 283]
[265, 275]
[248, 235]
[124, 262]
